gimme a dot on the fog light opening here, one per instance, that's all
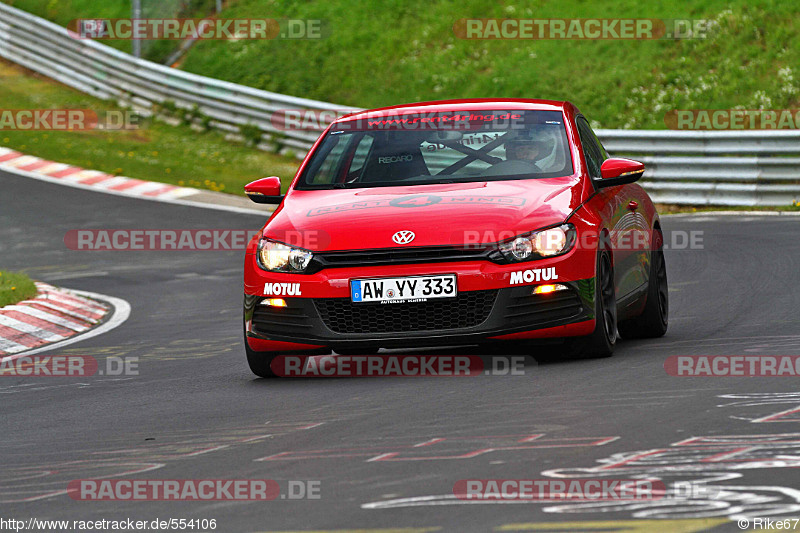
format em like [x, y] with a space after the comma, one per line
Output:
[274, 302]
[547, 289]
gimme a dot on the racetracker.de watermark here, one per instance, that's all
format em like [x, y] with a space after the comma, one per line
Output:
[67, 120]
[165, 239]
[199, 29]
[582, 29]
[733, 365]
[432, 121]
[621, 240]
[732, 119]
[395, 366]
[237, 239]
[319, 119]
[68, 366]
[548, 490]
[193, 490]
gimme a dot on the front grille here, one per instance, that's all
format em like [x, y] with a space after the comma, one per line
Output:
[466, 310]
[398, 256]
[280, 320]
[535, 309]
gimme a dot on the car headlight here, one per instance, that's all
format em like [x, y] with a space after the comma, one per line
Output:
[278, 257]
[548, 242]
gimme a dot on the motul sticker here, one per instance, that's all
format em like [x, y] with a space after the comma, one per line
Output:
[533, 274]
[282, 289]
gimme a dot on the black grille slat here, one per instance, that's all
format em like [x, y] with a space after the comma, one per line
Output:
[466, 310]
[399, 256]
[552, 306]
[269, 319]
[552, 298]
[539, 308]
[262, 321]
[537, 314]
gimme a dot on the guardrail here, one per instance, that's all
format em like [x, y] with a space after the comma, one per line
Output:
[683, 167]
[714, 167]
[106, 73]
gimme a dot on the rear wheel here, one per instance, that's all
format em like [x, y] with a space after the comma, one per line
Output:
[654, 320]
[602, 341]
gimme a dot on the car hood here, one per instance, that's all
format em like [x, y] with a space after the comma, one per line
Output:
[446, 214]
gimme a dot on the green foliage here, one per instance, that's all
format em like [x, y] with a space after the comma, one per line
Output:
[385, 52]
[251, 133]
[189, 117]
[390, 52]
[63, 11]
[155, 151]
[15, 287]
[168, 107]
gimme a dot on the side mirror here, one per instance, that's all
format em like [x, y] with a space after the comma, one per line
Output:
[265, 190]
[619, 171]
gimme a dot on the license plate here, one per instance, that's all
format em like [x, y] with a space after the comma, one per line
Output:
[410, 289]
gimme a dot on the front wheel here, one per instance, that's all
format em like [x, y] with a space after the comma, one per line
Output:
[260, 362]
[602, 341]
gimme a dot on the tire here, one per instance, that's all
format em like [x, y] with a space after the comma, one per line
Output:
[654, 320]
[603, 339]
[259, 362]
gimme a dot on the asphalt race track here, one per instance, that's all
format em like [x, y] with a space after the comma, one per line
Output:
[387, 452]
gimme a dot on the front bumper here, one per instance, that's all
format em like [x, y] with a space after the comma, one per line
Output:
[471, 317]
[494, 301]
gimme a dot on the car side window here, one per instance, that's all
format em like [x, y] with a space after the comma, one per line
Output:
[360, 156]
[326, 169]
[592, 149]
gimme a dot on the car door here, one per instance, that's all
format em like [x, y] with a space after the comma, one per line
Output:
[619, 207]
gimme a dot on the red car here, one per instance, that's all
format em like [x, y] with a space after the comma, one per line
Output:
[454, 223]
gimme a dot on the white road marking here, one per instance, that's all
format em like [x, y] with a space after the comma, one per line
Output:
[22, 161]
[77, 275]
[52, 168]
[47, 317]
[49, 304]
[24, 327]
[145, 187]
[89, 307]
[121, 311]
[11, 346]
[112, 181]
[167, 198]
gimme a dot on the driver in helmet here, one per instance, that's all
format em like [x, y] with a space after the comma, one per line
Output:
[526, 153]
[528, 150]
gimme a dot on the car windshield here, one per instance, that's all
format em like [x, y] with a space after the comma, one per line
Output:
[450, 147]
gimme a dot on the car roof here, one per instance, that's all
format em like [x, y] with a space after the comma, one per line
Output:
[473, 104]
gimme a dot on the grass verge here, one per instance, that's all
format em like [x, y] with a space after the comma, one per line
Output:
[15, 287]
[155, 151]
[386, 52]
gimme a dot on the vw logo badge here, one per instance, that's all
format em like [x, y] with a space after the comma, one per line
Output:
[403, 237]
